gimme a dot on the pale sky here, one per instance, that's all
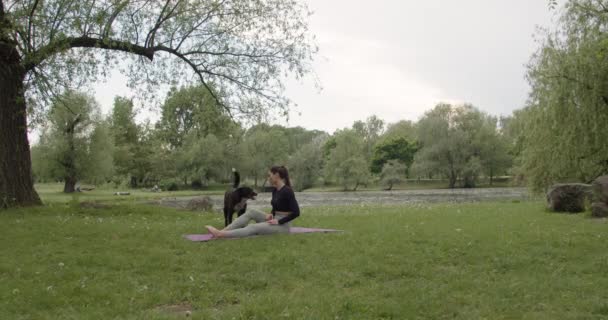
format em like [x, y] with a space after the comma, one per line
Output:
[397, 58]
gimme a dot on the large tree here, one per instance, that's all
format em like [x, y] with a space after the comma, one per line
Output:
[565, 127]
[401, 129]
[125, 133]
[71, 119]
[240, 50]
[200, 158]
[370, 131]
[346, 163]
[75, 144]
[393, 149]
[306, 163]
[393, 172]
[263, 146]
[443, 145]
[192, 111]
[459, 142]
[513, 132]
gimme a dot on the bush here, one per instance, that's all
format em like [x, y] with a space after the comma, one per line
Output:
[197, 184]
[121, 182]
[170, 185]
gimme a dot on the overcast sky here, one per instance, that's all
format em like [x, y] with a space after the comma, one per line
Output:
[398, 58]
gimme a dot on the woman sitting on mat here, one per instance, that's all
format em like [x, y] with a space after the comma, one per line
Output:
[284, 209]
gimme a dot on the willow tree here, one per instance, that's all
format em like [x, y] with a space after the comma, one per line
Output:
[565, 131]
[241, 50]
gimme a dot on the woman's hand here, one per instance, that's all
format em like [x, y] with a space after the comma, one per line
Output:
[273, 221]
[268, 216]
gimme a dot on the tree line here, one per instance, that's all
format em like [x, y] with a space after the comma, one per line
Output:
[237, 53]
[196, 143]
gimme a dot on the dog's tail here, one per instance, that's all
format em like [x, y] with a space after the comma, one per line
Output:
[237, 178]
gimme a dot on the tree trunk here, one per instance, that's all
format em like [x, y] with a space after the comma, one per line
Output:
[69, 186]
[16, 183]
[70, 159]
[469, 182]
[452, 180]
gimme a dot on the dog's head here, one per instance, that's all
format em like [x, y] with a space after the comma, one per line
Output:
[246, 193]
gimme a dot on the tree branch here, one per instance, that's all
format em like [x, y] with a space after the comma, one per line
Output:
[108, 28]
[583, 83]
[57, 20]
[86, 42]
[150, 38]
[200, 75]
[240, 83]
[87, 24]
[604, 10]
[195, 27]
[29, 24]
[234, 54]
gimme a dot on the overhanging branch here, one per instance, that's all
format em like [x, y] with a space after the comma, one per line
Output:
[199, 73]
[86, 42]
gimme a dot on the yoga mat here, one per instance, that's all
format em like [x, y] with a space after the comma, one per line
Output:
[207, 237]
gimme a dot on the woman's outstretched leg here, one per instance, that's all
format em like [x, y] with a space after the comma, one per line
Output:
[238, 224]
[243, 221]
[254, 229]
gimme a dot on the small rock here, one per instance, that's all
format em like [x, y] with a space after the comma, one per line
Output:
[600, 189]
[94, 205]
[599, 210]
[200, 204]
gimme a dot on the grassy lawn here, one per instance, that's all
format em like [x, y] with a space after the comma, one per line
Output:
[473, 261]
[53, 192]
[412, 185]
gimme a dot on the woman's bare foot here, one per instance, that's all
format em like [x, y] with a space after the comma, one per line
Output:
[216, 233]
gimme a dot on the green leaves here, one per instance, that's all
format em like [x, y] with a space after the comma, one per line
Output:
[459, 142]
[192, 110]
[347, 164]
[393, 172]
[394, 149]
[566, 115]
[76, 143]
[306, 164]
[239, 50]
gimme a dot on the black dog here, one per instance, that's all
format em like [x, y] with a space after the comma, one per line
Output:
[236, 199]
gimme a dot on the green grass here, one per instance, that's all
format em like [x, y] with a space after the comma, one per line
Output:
[53, 192]
[474, 261]
[411, 185]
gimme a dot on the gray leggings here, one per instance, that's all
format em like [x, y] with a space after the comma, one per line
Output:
[240, 227]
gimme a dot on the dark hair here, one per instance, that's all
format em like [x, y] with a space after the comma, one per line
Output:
[282, 171]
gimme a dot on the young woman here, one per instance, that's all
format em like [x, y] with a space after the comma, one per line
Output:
[285, 208]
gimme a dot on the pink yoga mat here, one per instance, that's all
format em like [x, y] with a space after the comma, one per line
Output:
[207, 237]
